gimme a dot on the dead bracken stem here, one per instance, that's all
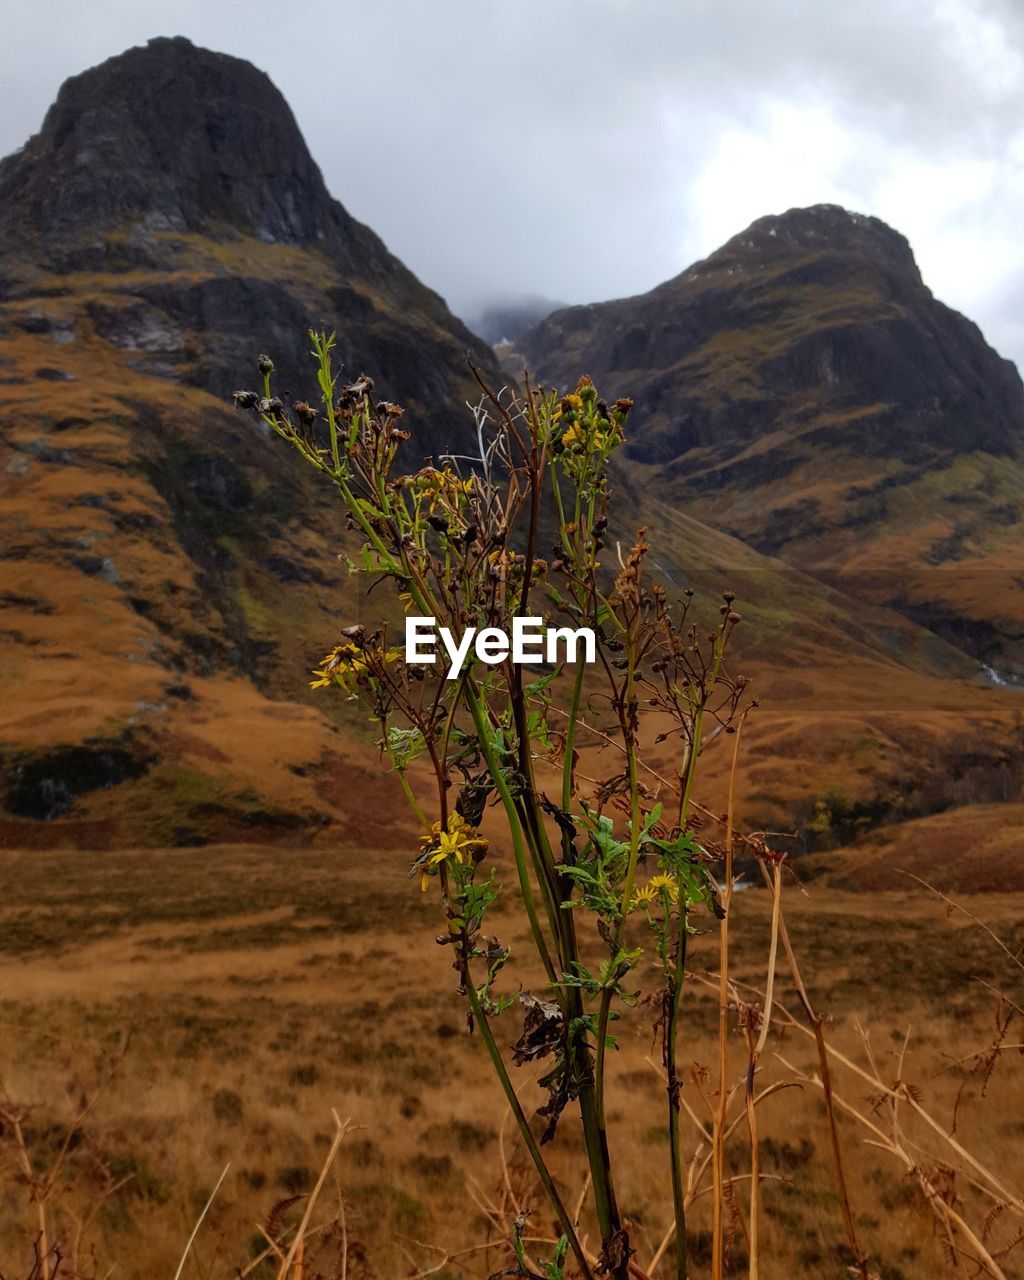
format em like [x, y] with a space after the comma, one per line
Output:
[860, 1260]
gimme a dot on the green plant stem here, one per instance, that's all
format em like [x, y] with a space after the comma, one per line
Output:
[410, 796]
[674, 996]
[532, 820]
[565, 1222]
[570, 736]
[578, 1052]
[608, 993]
[676, 981]
[476, 710]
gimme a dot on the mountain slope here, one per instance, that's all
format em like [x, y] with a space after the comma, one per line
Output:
[802, 389]
[168, 572]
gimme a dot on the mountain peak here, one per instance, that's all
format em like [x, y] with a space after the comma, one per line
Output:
[821, 229]
[182, 137]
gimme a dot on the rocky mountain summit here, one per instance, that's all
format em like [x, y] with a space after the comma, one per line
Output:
[188, 140]
[180, 176]
[802, 389]
[816, 324]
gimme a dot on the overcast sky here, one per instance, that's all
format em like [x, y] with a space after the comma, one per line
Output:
[586, 149]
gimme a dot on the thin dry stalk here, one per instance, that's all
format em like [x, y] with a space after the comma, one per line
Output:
[860, 1260]
[953, 905]
[948, 1217]
[718, 1139]
[755, 1051]
[340, 1131]
[199, 1223]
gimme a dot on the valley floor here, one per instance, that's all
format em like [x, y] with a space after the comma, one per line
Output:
[238, 994]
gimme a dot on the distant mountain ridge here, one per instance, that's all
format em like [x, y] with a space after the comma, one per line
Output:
[504, 320]
[802, 389]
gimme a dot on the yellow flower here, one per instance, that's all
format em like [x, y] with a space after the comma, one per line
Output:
[458, 841]
[642, 897]
[344, 662]
[431, 485]
[666, 882]
[650, 893]
[573, 437]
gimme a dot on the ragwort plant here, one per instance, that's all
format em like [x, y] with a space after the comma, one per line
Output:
[616, 860]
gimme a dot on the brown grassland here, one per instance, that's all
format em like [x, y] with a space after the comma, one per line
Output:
[229, 997]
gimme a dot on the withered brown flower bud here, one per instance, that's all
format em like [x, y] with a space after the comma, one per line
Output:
[439, 523]
[356, 633]
[305, 413]
[245, 399]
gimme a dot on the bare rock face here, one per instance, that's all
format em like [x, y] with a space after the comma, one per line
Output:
[188, 139]
[174, 161]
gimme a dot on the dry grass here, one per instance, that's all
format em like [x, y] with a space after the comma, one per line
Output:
[258, 989]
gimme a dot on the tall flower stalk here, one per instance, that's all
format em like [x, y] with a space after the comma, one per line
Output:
[603, 868]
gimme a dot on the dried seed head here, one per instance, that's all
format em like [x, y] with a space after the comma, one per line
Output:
[356, 633]
[245, 399]
[304, 412]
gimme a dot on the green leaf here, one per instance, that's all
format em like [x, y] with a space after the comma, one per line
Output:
[405, 745]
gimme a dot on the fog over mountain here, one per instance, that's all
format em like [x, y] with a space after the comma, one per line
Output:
[592, 149]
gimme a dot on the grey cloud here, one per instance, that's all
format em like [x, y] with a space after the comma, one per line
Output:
[553, 146]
